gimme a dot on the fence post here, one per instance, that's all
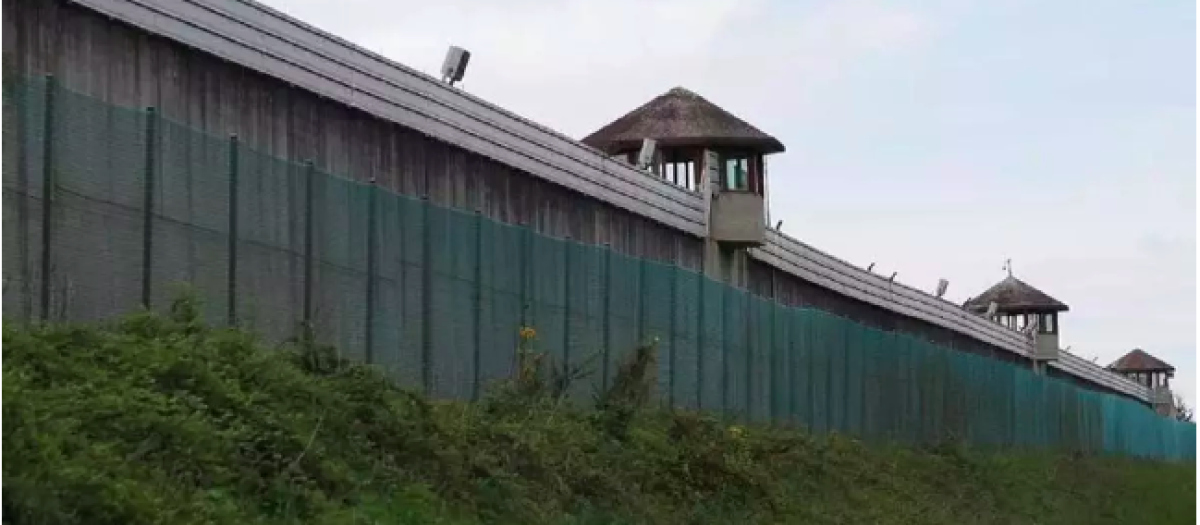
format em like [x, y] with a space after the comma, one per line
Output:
[724, 352]
[21, 90]
[477, 313]
[607, 319]
[148, 205]
[700, 333]
[232, 270]
[310, 175]
[748, 310]
[48, 190]
[773, 369]
[526, 259]
[642, 293]
[566, 338]
[671, 364]
[426, 298]
[372, 210]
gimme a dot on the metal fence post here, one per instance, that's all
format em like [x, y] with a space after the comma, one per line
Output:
[372, 210]
[477, 311]
[526, 259]
[232, 269]
[671, 340]
[426, 298]
[148, 206]
[642, 293]
[566, 338]
[48, 191]
[310, 175]
[607, 315]
[20, 89]
[747, 342]
[724, 352]
[773, 369]
[700, 336]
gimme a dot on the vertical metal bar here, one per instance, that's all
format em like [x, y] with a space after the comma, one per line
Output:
[748, 376]
[724, 352]
[526, 260]
[426, 298]
[566, 337]
[232, 270]
[310, 175]
[607, 336]
[773, 369]
[148, 205]
[48, 191]
[671, 339]
[20, 89]
[477, 343]
[642, 300]
[372, 219]
[700, 333]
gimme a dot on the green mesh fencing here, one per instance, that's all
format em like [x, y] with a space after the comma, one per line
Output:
[435, 297]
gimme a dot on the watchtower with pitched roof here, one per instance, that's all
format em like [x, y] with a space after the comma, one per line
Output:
[703, 148]
[1020, 307]
[1151, 372]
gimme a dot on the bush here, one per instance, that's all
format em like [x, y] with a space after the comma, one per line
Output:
[163, 420]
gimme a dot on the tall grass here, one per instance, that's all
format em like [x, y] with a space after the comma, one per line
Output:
[160, 419]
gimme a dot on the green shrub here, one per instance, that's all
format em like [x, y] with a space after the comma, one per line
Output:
[160, 419]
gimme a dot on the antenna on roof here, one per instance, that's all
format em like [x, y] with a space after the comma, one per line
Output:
[941, 288]
[893, 277]
[870, 266]
[1008, 266]
[455, 64]
[778, 225]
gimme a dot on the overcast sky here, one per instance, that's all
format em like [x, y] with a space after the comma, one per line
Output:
[935, 138]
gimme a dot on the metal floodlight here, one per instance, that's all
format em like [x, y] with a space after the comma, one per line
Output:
[941, 287]
[455, 64]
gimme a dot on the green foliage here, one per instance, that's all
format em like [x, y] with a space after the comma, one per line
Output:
[160, 419]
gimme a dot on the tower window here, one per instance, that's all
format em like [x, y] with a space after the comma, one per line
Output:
[737, 174]
[1048, 324]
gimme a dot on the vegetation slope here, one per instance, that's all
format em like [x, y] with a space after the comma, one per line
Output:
[163, 420]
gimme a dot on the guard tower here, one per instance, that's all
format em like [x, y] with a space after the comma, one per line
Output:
[1152, 373]
[1022, 307]
[703, 148]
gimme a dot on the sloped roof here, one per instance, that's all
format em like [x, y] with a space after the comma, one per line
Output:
[1140, 361]
[1014, 295]
[680, 117]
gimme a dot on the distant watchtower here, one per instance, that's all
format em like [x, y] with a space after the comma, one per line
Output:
[1151, 372]
[703, 148]
[1019, 306]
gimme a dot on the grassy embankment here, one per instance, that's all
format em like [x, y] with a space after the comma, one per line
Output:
[162, 420]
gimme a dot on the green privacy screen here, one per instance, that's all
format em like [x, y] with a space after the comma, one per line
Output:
[107, 208]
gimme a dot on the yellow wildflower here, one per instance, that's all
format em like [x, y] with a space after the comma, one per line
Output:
[736, 431]
[527, 333]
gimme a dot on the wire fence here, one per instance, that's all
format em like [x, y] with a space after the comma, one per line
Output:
[106, 208]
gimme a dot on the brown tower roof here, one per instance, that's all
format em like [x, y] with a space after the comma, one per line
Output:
[1014, 295]
[681, 118]
[1139, 361]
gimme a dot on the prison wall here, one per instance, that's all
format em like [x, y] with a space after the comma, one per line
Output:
[126, 66]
